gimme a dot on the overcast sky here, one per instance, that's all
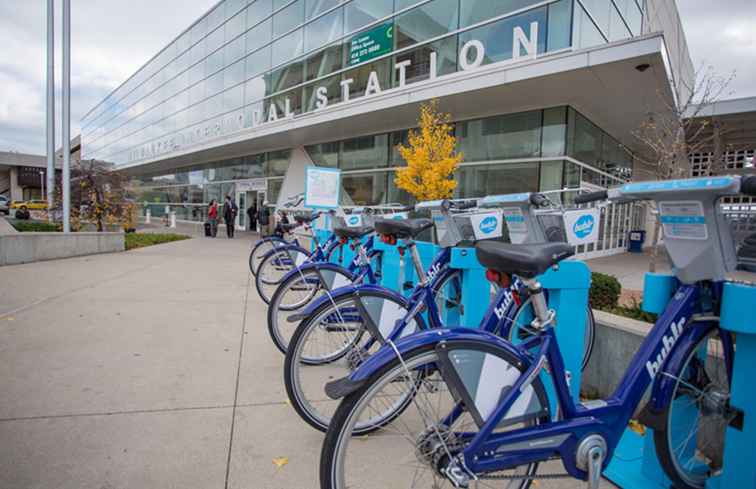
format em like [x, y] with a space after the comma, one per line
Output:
[113, 38]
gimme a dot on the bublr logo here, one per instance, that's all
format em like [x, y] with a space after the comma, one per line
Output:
[488, 225]
[354, 220]
[584, 226]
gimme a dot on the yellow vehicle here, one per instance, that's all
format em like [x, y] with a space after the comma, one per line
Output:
[34, 205]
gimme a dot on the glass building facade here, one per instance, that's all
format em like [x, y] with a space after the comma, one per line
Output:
[538, 150]
[248, 62]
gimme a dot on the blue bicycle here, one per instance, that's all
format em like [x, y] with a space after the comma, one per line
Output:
[340, 331]
[463, 407]
[305, 283]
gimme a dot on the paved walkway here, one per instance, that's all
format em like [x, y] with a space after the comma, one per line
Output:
[145, 369]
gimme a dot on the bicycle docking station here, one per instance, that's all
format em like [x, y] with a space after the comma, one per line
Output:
[635, 464]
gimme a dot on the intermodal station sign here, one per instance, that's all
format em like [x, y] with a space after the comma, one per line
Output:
[371, 44]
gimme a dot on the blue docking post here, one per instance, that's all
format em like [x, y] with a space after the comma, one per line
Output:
[476, 290]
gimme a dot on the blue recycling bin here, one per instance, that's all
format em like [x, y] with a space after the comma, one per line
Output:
[636, 240]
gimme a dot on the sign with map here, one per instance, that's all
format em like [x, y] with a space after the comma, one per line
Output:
[322, 187]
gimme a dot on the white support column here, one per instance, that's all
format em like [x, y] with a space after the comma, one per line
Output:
[50, 103]
[66, 181]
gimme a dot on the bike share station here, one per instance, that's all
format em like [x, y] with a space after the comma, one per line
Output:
[687, 225]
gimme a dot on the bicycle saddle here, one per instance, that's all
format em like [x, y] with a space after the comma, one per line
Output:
[403, 228]
[305, 219]
[525, 260]
[352, 233]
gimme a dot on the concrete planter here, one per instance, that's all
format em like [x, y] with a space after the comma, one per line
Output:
[20, 248]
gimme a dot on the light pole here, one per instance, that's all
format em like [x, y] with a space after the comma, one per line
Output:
[42, 182]
[66, 180]
[50, 104]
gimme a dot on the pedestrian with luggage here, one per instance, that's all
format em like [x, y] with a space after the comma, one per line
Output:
[263, 217]
[229, 215]
[212, 217]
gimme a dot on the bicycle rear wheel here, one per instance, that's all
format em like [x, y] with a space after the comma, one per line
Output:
[260, 249]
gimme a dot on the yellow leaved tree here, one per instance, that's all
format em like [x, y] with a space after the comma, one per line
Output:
[431, 157]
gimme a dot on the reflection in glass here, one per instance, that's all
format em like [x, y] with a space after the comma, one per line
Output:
[430, 20]
[560, 25]
[365, 152]
[257, 11]
[365, 188]
[419, 58]
[360, 13]
[324, 30]
[316, 7]
[474, 11]
[288, 47]
[288, 18]
[479, 181]
[333, 92]
[498, 37]
[500, 137]
[324, 62]
[325, 154]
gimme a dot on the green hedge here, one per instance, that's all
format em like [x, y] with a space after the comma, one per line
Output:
[605, 291]
[140, 240]
[34, 227]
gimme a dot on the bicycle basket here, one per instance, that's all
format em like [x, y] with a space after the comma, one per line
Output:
[452, 229]
[551, 222]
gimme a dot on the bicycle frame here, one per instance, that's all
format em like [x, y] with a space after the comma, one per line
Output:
[680, 326]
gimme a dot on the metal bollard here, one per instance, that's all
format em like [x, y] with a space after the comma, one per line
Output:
[173, 220]
[148, 216]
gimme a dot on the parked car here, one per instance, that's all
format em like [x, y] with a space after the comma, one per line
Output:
[4, 205]
[34, 205]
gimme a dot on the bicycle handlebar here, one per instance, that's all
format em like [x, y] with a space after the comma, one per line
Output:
[539, 200]
[591, 197]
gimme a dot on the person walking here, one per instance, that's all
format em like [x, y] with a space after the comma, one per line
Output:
[212, 217]
[229, 215]
[263, 217]
[252, 215]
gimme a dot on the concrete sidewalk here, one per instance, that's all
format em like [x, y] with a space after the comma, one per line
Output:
[146, 369]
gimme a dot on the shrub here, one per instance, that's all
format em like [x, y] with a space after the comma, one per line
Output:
[35, 227]
[140, 240]
[605, 291]
[633, 311]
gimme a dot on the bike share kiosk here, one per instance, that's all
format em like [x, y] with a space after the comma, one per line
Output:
[701, 248]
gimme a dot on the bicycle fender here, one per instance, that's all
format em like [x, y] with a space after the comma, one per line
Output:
[347, 290]
[663, 386]
[342, 387]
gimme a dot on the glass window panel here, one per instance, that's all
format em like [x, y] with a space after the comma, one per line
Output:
[199, 30]
[397, 138]
[277, 4]
[277, 164]
[214, 84]
[617, 28]
[255, 165]
[274, 188]
[360, 13]
[430, 20]
[214, 41]
[560, 25]
[419, 69]
[365, 152]
[213, 63]
[583, 139]
[505, 178]
[316, 7]
[285, 77]
[585, 34]
[233, 75]
[361, 75]
[599, 10]
[216, 16]
[474, 11]
[198, 52]
[233, 7]
[288, 102]
[288, 47]
[257, 11]
[325, 154]
[551, 176]
[288, 18]
[498, 36]
[233, 98]
[259, 36]
[324, 30]
[333, 92]
[633, 17]
[554, 131]
[214, 106]
[397, 195]
[501, 137]
[258, 62]
[365, 189]
[324, 62]
[233, 51]
[235, 26]
[254, 89]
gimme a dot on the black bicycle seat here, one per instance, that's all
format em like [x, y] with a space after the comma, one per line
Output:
[352, 233]
[525, 260]
[402, 228]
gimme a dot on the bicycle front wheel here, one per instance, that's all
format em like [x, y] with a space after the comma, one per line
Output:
[690, 446]
[260, 249]
[274, 267]
[331, 344]
[413, 449]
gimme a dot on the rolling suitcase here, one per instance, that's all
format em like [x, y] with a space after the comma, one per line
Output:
[208, 230]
